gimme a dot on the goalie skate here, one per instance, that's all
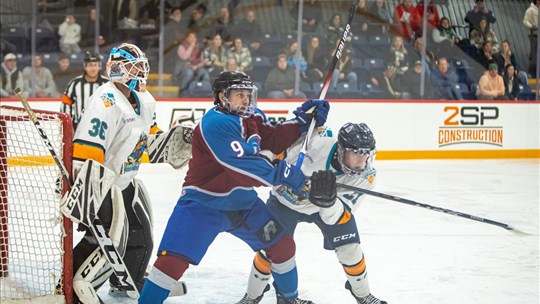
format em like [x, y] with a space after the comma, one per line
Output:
[369, 299]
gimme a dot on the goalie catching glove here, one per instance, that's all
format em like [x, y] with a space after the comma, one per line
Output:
[173, 146]
[323, 191]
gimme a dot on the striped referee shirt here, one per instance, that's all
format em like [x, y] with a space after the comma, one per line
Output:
[77, 93]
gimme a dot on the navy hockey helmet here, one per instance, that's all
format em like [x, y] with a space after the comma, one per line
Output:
[227, 81]
[355, 148]
[128, 65]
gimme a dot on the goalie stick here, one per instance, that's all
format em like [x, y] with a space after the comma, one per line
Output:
[326, 83]
[433, 208]
[104, 241]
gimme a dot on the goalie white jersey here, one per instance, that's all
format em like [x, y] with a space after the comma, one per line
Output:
[321, 156]
[114, 132]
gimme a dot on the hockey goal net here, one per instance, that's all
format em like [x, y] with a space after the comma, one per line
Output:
[35, 239]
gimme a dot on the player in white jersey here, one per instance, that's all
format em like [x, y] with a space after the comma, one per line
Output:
[347, 161]
[113, 131]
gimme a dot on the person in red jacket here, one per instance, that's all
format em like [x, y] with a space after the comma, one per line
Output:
[432, 15]
[407, 20]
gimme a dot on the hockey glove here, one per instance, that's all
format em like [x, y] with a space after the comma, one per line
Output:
[290, 176]
[252, 132]
[320, 113]
[323, 191]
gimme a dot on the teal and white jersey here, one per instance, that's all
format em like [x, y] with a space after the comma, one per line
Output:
[320, 156]
[114, 132]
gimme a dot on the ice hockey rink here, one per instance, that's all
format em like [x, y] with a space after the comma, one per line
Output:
[413, 255]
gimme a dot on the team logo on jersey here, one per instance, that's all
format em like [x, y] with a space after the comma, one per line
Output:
[108, 99]
[134, 159]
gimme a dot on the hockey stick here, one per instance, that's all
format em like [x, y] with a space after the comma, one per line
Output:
[98, 231]
[326, 83]
[434, 208]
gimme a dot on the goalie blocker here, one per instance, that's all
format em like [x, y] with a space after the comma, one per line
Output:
[105, 213]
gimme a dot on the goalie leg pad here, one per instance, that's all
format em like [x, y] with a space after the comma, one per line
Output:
[89, 263]
[351, 257]
[140, 242]
[88, 192]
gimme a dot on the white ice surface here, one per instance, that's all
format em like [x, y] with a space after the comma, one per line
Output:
[413, 255]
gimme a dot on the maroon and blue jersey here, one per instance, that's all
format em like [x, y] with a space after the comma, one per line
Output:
[223, 170]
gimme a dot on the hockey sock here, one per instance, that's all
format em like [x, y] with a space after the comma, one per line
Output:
[283, 267]
[259, 276]
[152, 293]
[352, 259]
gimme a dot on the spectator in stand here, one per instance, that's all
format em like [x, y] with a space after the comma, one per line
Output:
[88, 35]
[190, 63]
[446, 39]
[199, 24]
[334, 30]
[432, 13]
[70, 36]
[361, 21]
[11, 77]
[407, 20]
[250, 31]
[508, 57]
[491, 85]
[241, 54]
[343, 71]
[125, 9]
[149, 12]
[224, 27]
[316, 58]
[64, 73]
[381, 18]
[482, 34]
[487, 56]
[44, 85]
[411, 82]
[511, 82]
[215, 56]
[292, 58]
[418, 51]
[311, 16]
[476, 14]
[173, 35]
[280, 81]
[398, 55]
[231, 65]
[445, 81]
[530, 21]
[389, 83]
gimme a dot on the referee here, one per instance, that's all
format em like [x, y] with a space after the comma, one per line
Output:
[80, 88]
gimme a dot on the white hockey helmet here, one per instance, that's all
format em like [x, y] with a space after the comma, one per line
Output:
[128, 65]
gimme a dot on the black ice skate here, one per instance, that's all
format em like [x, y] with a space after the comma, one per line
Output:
[369, 299]
[282, 300]
[247, 300]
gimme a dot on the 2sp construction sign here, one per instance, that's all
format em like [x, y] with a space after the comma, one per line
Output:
[471, 125]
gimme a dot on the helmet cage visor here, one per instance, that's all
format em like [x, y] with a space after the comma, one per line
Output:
[242, 109]
[355, 161]
[130, 70]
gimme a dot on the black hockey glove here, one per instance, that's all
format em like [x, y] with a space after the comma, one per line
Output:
[323, 191]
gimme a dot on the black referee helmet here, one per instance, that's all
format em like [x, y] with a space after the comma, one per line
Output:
[92, 56]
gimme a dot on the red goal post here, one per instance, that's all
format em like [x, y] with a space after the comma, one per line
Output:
[36, 240]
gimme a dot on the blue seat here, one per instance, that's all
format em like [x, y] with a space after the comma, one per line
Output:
[46, 39]
[18, 36]
[261, 67]
[359, 41]
[374, 64]
[76, 59]
[50, 60]
[200, 89]
[349, 91]
[526, 93]
[379, 40]
[307, 88]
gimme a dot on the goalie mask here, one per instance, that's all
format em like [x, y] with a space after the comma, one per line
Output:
[129, 66]
[238, 94]
[355, 148]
